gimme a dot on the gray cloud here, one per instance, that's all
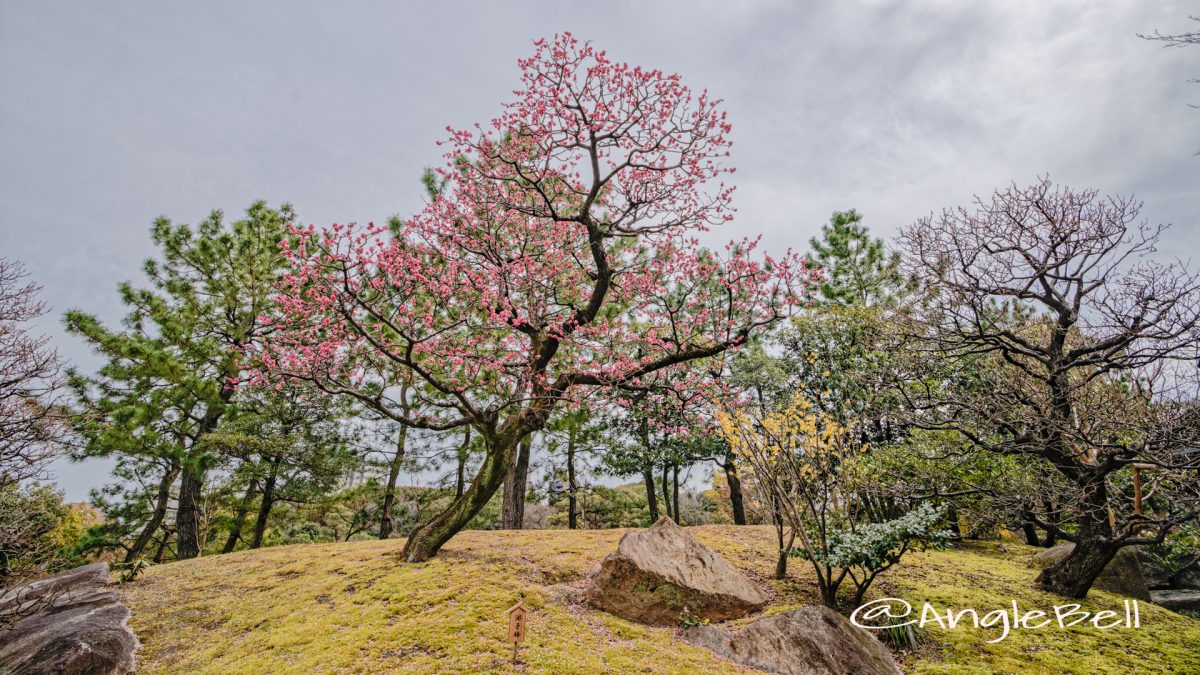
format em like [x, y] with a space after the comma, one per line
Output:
[114, 113]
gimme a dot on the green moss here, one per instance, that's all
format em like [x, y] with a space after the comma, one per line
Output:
[991, 576]
[356, 608]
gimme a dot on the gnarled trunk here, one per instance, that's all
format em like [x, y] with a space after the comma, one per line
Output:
[428, 539]
[1074, 575]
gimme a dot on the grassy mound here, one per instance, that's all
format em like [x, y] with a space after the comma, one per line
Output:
[355, 608]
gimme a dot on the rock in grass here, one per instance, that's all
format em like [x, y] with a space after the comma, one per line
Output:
[812, 640]
[1122, 575]
[72, 622]
[660, 574]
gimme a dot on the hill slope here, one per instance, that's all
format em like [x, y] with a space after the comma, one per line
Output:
[355, 608]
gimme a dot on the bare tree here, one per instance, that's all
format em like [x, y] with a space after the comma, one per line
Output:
[31, 415]
[33, 422]
[1178, 40]
[1059, 336]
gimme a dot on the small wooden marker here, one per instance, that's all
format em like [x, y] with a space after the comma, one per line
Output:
[516, 626]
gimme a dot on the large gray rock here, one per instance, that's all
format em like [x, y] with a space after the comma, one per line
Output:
[72, 622]
[658, 574]
[1159, 575]
[1153, 569]
[1122, 576]
[1177, 600]
[1189, 578]
[812, 640]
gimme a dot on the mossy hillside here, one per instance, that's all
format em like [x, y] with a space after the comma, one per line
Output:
[355, 608]
[989, 576]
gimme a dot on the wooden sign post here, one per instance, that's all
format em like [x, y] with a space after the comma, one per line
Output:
[516, 626]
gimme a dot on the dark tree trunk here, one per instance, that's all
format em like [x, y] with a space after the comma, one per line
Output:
[735, 490]
[187, 512]
[428, 539]
[1051, 538]
[666, 490]
[264, 507]
[651, 493]
[781, 562]
[675, 491]
[162, 547]
[512, 514]
[1073, 575]
[187, 515]
[464, 452]
[777, 519]
[572, 520]
[389, 495]
[1028, 529]
[161, 502]
[460, 481]
[235, 532]
[1031, 535]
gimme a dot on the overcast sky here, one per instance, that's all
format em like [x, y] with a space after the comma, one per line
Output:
[114, 113]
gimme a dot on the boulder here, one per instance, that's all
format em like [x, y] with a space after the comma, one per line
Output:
[1177, 600]
[658, 574]
[1122, 576]
[1159, 575]
[1189, 578]
[1154, 570]
[812, 640]
[72, 622]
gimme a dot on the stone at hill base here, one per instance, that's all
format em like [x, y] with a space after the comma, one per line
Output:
[72, 622]
[1177, 600]
[659, 574]
[1159, 575]
[1122, 576]
[812, 640]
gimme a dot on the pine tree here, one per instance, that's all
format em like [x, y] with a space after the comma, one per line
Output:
[858, 270]
[171, 373]
[292, 446]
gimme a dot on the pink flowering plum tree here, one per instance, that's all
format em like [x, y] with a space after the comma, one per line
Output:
[559, 259]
